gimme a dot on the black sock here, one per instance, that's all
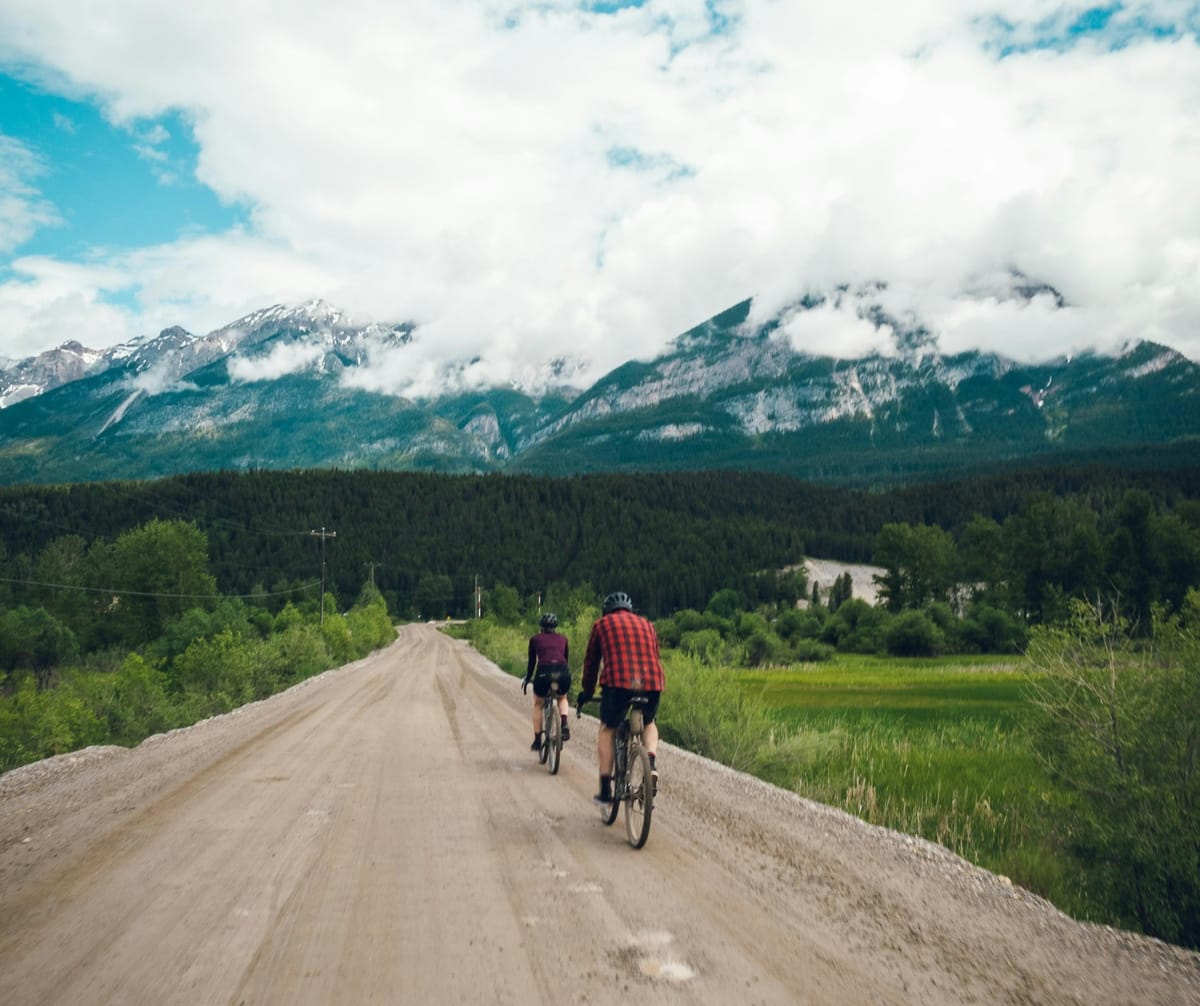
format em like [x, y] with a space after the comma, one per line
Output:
[606, 785]
[651, 763]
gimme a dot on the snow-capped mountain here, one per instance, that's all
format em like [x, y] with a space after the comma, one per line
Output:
[290, 388]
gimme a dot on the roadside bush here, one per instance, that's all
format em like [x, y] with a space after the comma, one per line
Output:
[229, 615]
[1119, 727]
[131, 701]
[706, 709]
[370, 628]
[336, 633]
[37, 724]
[216, 674]
[293, 655]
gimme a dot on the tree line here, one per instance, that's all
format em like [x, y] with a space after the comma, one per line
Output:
[428, 541]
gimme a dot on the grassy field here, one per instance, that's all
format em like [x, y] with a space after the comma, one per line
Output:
[936, 748]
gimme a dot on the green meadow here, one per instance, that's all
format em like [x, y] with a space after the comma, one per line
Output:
[936, 748]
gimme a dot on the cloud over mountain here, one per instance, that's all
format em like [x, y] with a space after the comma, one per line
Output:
[528, 181]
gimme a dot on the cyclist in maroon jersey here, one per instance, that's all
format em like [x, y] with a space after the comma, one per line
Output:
[623, 651]
[548, 652]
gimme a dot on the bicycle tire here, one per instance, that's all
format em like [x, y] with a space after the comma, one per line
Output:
[553, 738]
[609, 811]
[544, 750]
[639, 798]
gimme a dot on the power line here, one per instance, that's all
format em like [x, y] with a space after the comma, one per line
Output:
[151, 593]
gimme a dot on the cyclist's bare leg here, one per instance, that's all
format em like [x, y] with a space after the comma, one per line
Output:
[564, 706]
[537, 714]
[604, 749]
[650, 738]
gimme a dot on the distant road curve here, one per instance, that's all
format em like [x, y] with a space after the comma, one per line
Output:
[382, 834]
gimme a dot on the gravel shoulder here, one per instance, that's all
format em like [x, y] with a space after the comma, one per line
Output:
[382, 833]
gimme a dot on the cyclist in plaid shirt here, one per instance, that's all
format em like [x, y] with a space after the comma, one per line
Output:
[627, 647]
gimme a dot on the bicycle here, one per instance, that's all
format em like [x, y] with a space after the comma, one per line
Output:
[550, 753]
[632, 781]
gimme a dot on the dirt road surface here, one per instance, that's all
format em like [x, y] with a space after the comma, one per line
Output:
[382, 834]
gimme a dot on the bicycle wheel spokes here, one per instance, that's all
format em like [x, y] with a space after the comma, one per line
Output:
[639, 799]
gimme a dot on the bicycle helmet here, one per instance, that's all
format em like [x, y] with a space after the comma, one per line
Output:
[549, 621]
[618, 601]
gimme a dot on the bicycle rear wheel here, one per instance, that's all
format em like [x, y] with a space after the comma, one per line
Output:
[639, 798]
[608, 811]
[544, 750]
[553, 738]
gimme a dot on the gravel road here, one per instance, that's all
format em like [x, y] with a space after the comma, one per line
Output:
[382, 833]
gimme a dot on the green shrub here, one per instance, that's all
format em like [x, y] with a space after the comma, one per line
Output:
[703, 644]
[217, 674]
[37, 724]
[336, 633]
[1119, 727]
[707, 710]
[810, 650]
[913, 634]
[763, 647]
[131, 701]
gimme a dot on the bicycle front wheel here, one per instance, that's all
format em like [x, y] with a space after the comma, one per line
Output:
[553, 739]
[639, 798]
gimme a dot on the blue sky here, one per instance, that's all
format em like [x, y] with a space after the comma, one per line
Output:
[112, 187]
[595, 177]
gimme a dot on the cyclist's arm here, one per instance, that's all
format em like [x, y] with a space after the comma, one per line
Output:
[532, 660]
[591, 663]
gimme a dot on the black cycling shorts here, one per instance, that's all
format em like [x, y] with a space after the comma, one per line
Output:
[541, 680]
[614, 702]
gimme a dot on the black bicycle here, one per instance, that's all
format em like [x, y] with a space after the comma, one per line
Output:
[633, 779]
[550, 753]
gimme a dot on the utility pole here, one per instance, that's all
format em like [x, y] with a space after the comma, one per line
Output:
[371, 566]
[478, 599]
[323, 534]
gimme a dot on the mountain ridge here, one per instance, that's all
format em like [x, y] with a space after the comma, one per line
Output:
[287, 387]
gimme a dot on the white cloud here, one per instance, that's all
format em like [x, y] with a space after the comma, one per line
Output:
[46, 303]
[22, 209]
[835, 330]
[530, 180]
[288, 358]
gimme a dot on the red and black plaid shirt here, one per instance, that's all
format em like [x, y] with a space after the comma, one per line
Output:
[627, 645]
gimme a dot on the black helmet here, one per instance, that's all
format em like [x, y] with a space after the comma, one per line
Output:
[549, 620]
[617, 601]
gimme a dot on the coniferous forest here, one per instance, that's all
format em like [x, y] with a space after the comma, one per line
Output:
[428, 541]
